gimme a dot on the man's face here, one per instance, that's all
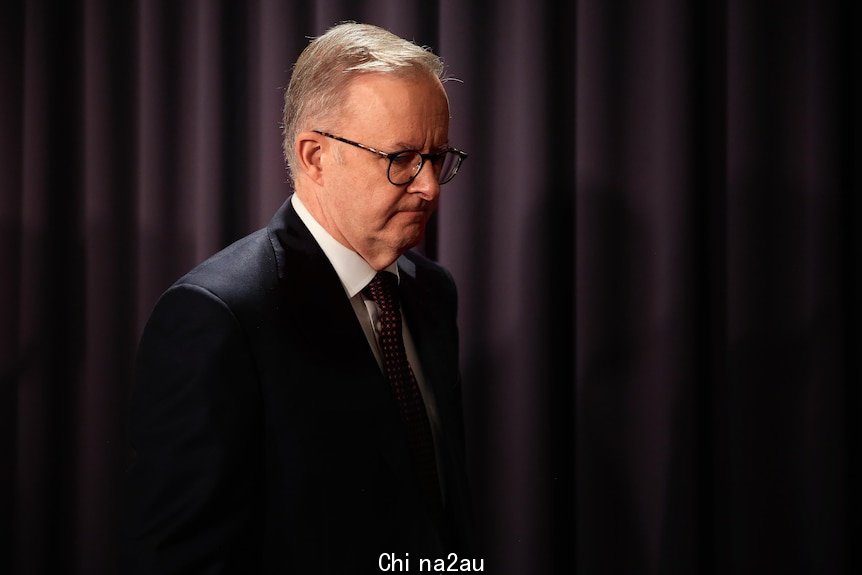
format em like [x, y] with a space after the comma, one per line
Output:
[361, 207]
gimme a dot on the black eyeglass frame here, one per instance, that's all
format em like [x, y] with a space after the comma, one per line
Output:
[391, 156]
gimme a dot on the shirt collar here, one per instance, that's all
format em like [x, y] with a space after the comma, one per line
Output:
[353, 271]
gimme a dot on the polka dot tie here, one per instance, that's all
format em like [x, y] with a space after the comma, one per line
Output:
[383, 289]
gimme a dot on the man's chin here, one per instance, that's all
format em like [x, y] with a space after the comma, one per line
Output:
[412, 235]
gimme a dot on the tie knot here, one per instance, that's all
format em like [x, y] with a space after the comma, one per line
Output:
[383, 289]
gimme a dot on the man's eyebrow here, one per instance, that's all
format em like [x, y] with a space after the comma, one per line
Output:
[401, 146]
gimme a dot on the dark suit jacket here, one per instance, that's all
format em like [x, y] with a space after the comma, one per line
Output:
[264, 436]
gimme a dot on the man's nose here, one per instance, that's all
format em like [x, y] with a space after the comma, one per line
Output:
[425, 183]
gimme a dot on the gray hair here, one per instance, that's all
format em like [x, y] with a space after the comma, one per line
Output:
[328, 64]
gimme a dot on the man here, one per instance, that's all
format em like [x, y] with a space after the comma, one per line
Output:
[284, 418]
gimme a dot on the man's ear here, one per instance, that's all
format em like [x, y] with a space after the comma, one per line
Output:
[309, 151]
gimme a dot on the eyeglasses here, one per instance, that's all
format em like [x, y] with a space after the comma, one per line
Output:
[405, 165]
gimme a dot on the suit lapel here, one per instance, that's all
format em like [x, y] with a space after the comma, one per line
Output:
[434, 340]
[343, 371]
[425, 325]
[321, 320]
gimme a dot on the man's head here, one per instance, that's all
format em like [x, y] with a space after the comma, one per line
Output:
[332, 60]
[363, 84]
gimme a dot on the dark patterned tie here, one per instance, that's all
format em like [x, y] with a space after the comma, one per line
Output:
[383, 289]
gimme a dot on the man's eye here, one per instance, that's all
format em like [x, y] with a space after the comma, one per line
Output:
[404, 159]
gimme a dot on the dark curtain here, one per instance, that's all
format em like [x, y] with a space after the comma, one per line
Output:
[655, 240]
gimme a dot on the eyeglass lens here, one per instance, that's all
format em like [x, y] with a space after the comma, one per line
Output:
[406, 165]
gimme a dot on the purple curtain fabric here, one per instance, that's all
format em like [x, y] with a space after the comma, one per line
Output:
[655, 240]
